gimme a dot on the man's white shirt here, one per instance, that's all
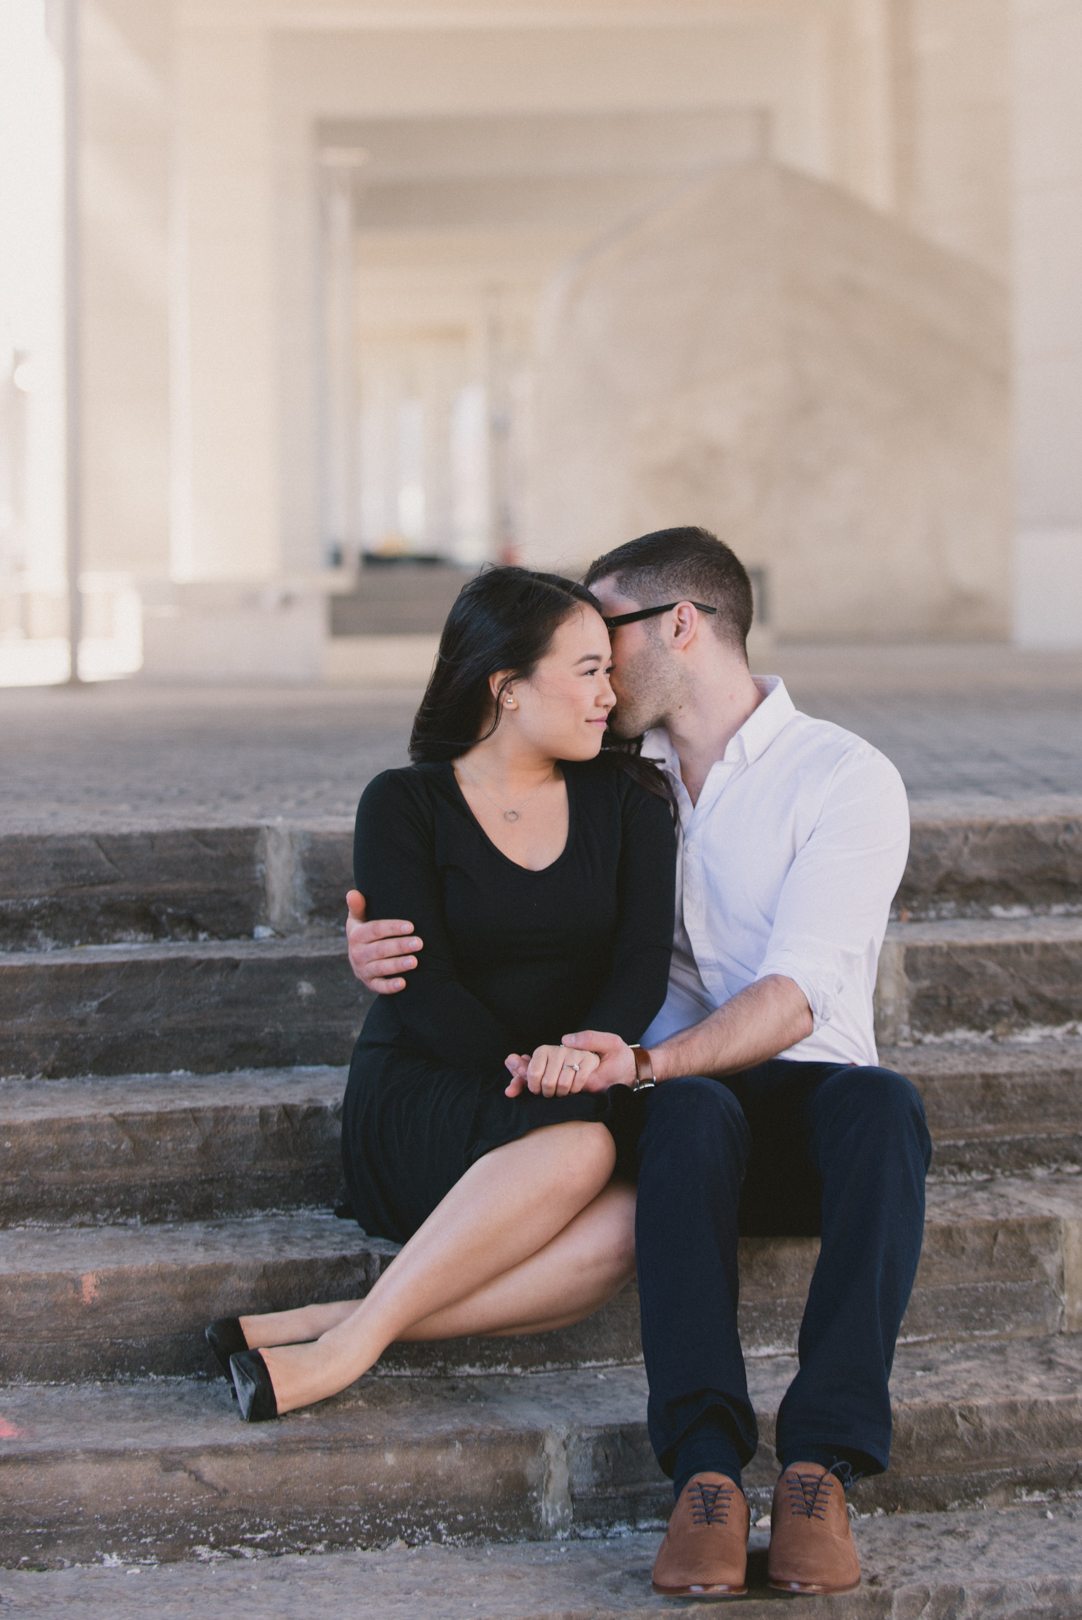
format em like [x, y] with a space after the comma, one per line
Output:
[788, 864]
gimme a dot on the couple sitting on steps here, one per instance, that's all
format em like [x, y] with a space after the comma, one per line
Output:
[568, 1075]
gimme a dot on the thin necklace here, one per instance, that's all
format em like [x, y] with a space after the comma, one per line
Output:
[508, 815]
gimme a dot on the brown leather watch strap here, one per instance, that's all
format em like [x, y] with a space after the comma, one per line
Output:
[644, 1069]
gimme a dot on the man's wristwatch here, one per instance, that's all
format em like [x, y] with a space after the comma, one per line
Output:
[644, 1069]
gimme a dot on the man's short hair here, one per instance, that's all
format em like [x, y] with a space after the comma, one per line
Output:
[685, 565]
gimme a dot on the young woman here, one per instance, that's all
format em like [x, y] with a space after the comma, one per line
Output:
[539, 871]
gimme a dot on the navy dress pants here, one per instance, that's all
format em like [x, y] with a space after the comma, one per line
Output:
[782, 1149]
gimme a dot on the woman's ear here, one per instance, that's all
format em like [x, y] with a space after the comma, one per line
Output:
[502, 692]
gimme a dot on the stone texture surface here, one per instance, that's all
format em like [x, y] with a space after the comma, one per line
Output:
[1000, 1258]
[1018, 1563]
[192, 883]
[123, 1301]
[169, 1147]
[180, 883]
[93, 1470]
[124, 1009]
[976, 866]
[980, 976]
[998, 1107]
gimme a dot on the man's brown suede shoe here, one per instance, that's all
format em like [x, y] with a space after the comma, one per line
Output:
[705, 1551]
[811, 1544]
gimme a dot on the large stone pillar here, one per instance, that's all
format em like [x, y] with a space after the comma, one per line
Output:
[226, 489]
[1048, 322]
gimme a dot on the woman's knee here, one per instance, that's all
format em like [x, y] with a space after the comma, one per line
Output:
[588, 1154]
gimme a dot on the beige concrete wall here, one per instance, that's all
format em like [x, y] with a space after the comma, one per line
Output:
[1048, 322]
[770, 358]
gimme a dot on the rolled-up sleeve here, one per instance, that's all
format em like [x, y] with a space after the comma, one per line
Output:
[835, 900]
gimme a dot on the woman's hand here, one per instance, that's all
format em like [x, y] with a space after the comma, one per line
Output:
[552, 1071]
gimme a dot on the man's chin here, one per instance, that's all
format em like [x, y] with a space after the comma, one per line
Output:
[625, 729]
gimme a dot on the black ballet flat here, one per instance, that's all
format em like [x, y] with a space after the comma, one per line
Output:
[226, 1338]
[252, 1382]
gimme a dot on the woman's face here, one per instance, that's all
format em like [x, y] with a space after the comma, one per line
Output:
[563, 708]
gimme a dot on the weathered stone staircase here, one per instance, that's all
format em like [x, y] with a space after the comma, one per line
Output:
[175, 1014]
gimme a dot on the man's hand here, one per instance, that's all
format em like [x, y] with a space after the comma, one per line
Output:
[617, 1062]
[375, 948]
[552, 1071]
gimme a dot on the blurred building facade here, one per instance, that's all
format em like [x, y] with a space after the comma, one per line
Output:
[401, 279]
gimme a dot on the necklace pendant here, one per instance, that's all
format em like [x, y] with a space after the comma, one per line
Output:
[510, 815]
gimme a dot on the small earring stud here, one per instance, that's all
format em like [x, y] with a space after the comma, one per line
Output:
[510, 703]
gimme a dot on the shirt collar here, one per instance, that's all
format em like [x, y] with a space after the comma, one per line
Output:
[752, 740]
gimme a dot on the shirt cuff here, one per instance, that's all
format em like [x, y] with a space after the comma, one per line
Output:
[821, 984]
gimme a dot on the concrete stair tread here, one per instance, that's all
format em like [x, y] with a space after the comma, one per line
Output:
[22, 1100]
[173, 950]
[1019, 1561]
[984, 1380]
[167, 1465]
[1005, 1198]
[317, 1232]
[296, 1235]
[989, 930]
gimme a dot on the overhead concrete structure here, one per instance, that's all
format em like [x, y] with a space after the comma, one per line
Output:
[318, 234]
[768, 356]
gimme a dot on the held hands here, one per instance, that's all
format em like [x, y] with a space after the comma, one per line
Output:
[602, 1061]
[552, 1071]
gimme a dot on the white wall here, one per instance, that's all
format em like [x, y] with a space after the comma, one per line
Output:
[1048, 322]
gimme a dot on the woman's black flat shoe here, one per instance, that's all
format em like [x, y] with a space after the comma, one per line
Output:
[226, 1338]
[252, 1382]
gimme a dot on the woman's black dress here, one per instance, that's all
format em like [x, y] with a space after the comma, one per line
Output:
[512, 959]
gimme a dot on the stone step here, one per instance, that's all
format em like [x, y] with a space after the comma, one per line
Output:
[202, 1006]
[980, 976]
[998, 1107]
[172, 883]
[1003, 860]
[165, 1469]
[207, 1006]
[1018, 1563]
[1000, 1259]
[169, 1147]
[224, 882]
[196, 1147]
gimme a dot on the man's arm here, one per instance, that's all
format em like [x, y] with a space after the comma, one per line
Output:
[375, 948]
[766, 1018]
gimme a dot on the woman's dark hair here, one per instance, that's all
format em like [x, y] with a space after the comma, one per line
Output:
[505, 618]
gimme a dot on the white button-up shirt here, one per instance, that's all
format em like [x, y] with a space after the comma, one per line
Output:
[788, 864]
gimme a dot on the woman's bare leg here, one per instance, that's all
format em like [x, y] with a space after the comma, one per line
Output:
[507, 1207]
[580, 1270]
[571, 1277]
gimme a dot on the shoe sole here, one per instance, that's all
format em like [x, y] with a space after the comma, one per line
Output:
[699, 1591]
[810, 1589]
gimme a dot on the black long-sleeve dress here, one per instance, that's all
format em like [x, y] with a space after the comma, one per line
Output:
[512, 959]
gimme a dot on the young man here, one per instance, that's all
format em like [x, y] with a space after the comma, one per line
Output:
[762, 1106]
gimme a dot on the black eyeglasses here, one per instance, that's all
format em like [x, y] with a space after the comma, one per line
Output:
[652, 613]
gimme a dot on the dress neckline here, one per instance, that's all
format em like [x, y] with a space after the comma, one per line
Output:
[530, 871]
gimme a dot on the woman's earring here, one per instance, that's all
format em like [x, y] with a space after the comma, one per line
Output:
[510, 703]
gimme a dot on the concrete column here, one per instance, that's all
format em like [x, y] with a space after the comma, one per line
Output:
[1048, 322]
[225, 519]
[340, 430]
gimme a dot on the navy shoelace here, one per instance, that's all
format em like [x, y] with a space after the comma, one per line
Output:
[810, 1493]
[710, 1503]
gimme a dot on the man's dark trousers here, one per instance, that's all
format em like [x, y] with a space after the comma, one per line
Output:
[782, 1149]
